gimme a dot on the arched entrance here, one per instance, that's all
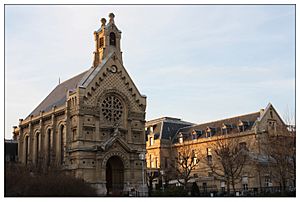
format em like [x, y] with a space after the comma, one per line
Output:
[114, 176]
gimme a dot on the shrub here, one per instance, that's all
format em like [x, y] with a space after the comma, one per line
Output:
[20, 181]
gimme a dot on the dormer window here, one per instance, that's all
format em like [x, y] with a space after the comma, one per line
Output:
[226, 128]
[242, 125]
[112, 39]
[194, 135]
[180, 139]
[209, 132]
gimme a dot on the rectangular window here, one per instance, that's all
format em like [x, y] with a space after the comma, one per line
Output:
[195, 160]
[222, 184]
[151, 141]
[209, 155]
[245, 182]
[268, 182]
[156, 162]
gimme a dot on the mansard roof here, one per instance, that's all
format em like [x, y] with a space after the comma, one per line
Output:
[166, 127]
[249, 119]
[58, 96]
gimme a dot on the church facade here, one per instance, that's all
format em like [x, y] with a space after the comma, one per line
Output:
[92, 125]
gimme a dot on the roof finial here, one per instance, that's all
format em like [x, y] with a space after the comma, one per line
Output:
[111, 18]
[103, 21]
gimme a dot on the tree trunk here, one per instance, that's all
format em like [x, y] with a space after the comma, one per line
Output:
[233, 186]
[228, 186]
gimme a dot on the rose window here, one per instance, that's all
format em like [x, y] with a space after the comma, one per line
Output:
[112, 108]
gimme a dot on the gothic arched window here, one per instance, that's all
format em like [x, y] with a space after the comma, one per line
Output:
[26, 149]
[49, 145]
[112, 39]
[37, 149]
[62, 144]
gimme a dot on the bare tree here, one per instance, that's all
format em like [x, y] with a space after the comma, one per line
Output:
[280, 148]
[227, 160]
[186, 160]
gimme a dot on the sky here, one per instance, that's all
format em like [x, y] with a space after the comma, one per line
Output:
[195, 62]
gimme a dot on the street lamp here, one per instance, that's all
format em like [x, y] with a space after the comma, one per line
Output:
[142, 158]
[162, 172]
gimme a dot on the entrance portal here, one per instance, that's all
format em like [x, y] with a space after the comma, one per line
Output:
[114, 176]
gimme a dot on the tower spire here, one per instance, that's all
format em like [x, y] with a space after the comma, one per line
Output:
[107, 40]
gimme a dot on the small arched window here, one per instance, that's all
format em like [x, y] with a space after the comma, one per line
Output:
[37, 149]
[62, 144]
[112, 39]
[49, 145]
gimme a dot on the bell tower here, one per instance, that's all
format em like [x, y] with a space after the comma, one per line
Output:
[107, 41]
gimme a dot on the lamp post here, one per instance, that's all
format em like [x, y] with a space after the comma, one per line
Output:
[142, 158]
[162, 172]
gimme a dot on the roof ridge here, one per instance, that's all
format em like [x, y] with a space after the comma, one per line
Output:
[210, 122]
[56, 97]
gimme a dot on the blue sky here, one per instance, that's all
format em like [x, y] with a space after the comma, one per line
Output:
[199, 63]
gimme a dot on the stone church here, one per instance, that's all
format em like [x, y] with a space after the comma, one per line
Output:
[92, 125]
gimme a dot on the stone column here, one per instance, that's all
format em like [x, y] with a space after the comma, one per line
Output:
[21, 146]
[41, 141]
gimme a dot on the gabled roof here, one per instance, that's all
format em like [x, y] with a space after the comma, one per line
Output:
[58, 96]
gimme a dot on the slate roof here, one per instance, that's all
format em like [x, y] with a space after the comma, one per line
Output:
[166, 127]
[169, 129]
[58, 96]
[216, 126]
